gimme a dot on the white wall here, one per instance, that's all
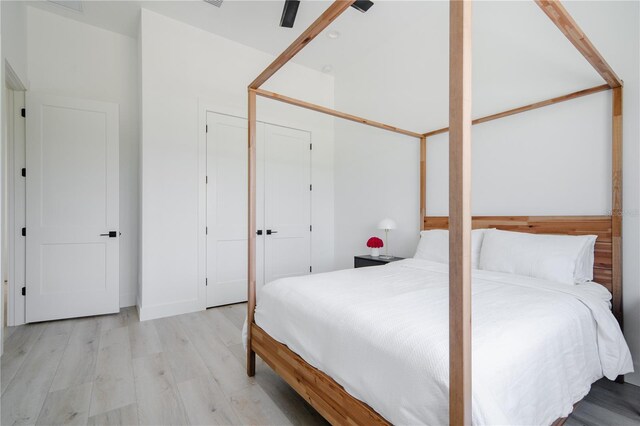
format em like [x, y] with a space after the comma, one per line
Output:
[13, 52]
[376, 173]
[182, 69]
[14, 37]
[69, 58]
[554, 160]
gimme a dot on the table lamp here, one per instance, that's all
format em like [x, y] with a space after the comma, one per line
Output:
[386, 224]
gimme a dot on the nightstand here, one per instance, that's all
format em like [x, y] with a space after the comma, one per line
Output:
[367, 260]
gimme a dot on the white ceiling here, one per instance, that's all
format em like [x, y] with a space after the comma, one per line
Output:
[519, 57]
[516, 47]
[253, 23]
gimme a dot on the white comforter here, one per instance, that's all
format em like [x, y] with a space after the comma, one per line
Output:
[382, 333]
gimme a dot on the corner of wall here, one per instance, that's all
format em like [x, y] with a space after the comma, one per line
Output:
[634, 378]
[14, 37]
[146, 313]
[139, 295]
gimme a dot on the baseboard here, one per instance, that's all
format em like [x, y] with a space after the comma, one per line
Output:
[127, 299]
[168, 309]
[633, 378]
[138, 304]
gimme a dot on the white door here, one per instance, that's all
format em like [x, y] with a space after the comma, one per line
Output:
[72, 218]
[226, 209]
[227, 205]
[287, 202]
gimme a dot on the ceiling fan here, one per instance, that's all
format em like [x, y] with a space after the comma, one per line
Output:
[291, 10]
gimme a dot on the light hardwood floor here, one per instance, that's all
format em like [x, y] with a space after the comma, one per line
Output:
[187, 369]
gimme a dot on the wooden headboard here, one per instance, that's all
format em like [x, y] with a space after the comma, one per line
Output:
[604, 268]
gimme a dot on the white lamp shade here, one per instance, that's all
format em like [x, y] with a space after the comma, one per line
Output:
[387, 224]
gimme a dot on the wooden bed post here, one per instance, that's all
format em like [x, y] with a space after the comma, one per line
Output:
[460, 213]
[423, 180]
[616, 204]
[251, 240]
[323, 21]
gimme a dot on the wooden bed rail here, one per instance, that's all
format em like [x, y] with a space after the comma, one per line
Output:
[318, 389]
[334, 113]
[536, 105]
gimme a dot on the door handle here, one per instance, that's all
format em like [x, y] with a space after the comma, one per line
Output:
[110, 234]
[269, 232]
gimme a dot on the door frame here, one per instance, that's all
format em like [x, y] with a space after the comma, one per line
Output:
[16, 152]
[207, 105]
[16, 197]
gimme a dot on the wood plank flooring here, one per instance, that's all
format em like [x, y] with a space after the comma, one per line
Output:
[188, 369]
[115, 370]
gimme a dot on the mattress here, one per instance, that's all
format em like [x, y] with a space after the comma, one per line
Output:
[382, 333]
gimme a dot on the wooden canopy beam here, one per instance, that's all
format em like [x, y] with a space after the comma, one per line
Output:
[329, 15]
[334, 113]
[565, 23]
[460, 213]
[529, 107]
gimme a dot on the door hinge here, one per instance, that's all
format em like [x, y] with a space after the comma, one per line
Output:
[310, 228]
[206, 281]
[310, 269]
[24, 232]
[310, 147]
[206, 230]
[24, 291]
[23, 112]
[24, 172]
[311, 187]
[206, 128]
[206, 179]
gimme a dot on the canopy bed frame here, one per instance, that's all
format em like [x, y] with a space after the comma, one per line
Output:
[322, 392]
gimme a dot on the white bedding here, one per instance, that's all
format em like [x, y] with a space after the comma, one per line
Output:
[382, 333]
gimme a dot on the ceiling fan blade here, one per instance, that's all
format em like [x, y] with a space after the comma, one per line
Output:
[289, 13]
[216, 3]
[362, 5]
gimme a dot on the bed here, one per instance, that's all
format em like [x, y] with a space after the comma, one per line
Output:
[382, 334]
[327, 395]
[370, 345]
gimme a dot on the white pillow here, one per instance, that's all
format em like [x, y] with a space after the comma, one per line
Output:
[434, 246]
[565, 259]
[586, 259]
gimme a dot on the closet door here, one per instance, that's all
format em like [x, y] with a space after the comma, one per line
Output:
[283, 206]
[287, 202]
[227, 210]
